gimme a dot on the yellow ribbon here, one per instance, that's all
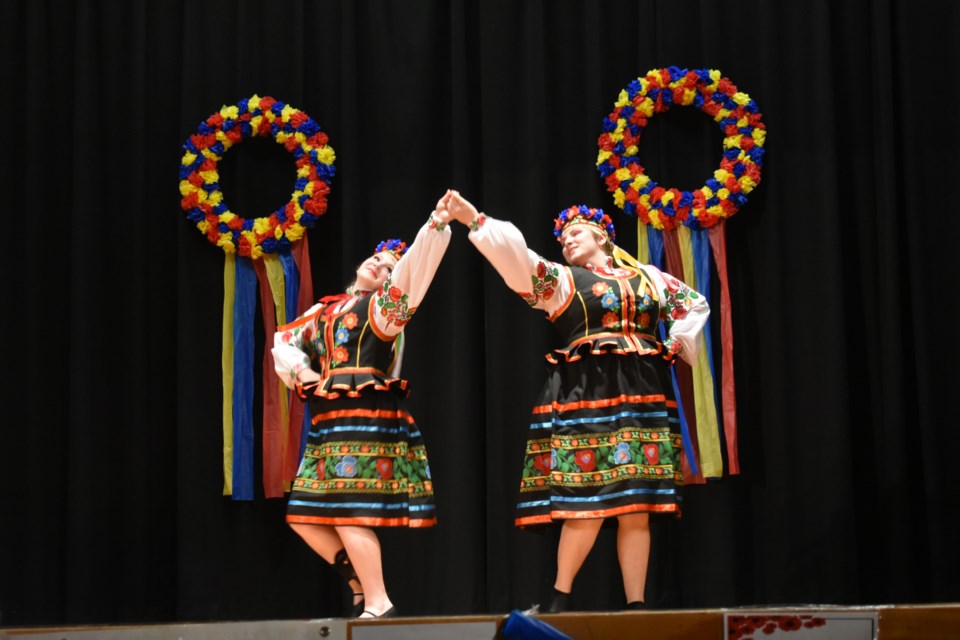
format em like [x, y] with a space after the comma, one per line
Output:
[708, 430]
[625, 260]
[643, 243]
[226, 365]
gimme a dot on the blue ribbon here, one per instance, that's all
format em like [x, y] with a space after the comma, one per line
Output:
[243, 318]
[701, 266]
[655, 240]
[291, 281]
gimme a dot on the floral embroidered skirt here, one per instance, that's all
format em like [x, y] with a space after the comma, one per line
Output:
[604, 441]
[365, 464]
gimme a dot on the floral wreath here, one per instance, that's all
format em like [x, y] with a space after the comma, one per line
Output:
[595, 217]
[199, 180]
[394, 246]
[724, 193]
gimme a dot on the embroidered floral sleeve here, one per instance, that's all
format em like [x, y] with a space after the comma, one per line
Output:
[397, 299]
[684, 312]
[293, 346]
[393, 305]
[543, 284]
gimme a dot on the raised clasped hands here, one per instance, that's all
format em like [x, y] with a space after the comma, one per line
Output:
[461, 209]
[453, 206]
[441, 211]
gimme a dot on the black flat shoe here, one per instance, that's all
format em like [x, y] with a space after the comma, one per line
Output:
[636, 606]
[558, 603]
[389, 613]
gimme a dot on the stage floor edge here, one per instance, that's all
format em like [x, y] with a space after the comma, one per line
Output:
[895, 622]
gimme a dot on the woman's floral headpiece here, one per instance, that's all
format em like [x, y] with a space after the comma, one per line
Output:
[581, 214]
[393, 246]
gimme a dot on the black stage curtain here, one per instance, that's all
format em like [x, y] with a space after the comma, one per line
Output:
[841, 270]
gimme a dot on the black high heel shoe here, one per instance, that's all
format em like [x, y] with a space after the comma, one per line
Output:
[357, 608]
[389, 613]
[341, 563]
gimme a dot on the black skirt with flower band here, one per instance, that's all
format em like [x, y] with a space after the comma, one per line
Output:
[604, 441]
[605, 435]
[364, 463]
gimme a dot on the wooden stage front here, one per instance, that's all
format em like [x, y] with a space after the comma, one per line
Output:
[894, 622]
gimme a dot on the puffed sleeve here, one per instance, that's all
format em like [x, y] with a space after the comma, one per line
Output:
[684, 312]
[291, 343]
[401, 293]
[543, 284]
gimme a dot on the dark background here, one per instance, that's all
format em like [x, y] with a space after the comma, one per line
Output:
[841, 271]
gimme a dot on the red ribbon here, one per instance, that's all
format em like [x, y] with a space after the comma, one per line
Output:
[272, 434]
[301, 255]
[718, 243]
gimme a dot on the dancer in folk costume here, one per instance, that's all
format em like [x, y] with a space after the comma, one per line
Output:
[365, 464]
[604, 439]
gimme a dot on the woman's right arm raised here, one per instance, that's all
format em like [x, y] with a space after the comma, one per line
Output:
[543, 284]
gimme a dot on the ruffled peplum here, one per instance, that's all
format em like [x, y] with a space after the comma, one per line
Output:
[352, 382]
[606, 343]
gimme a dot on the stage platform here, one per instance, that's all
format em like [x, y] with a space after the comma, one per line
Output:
[899, 622]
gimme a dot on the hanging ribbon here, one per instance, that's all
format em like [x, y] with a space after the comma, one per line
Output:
[291, 279]
[299, 431]
[643, 243]
[286, 291]
[273, 311]
[718, 242]
[655, 246]
[277, 279]
[674, 265]
[689, 461]
[226, 366]
[701, 269]
[708, 430]
[243, 320]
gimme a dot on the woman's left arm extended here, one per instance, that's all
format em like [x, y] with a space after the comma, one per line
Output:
[401, 293]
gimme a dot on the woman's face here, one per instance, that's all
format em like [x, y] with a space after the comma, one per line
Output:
[374, 270]
[581, 247]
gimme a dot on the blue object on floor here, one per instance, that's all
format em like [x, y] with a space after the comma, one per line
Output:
[520, 626]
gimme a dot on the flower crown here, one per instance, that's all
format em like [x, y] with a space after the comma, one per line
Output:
[393, 246]
[581, 214]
